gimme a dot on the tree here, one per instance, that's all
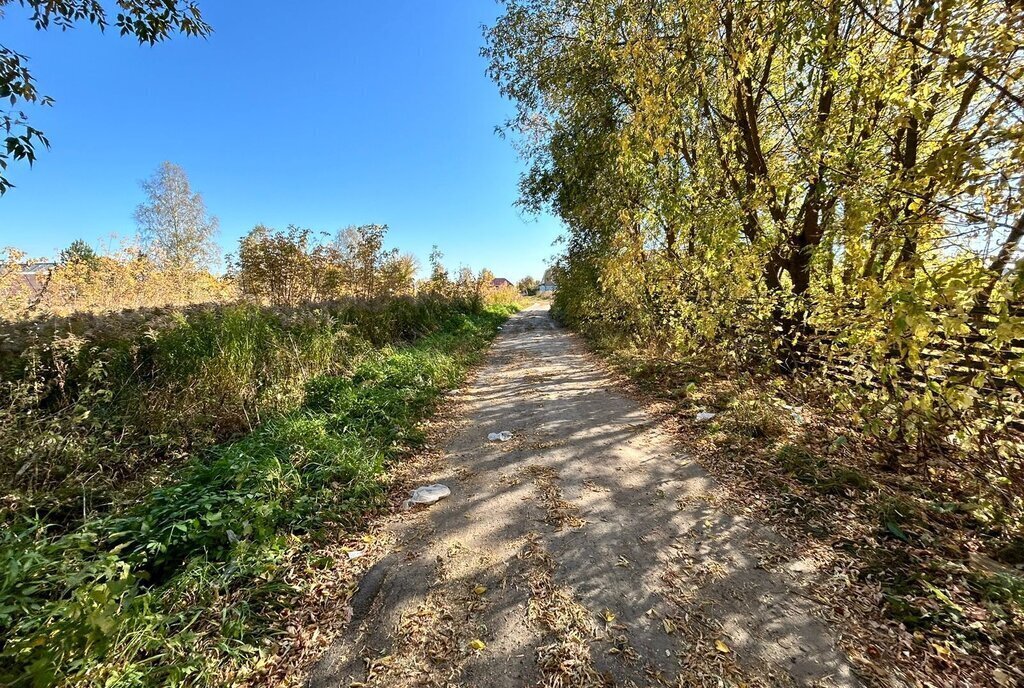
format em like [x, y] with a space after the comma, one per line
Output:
[439, 282]
[148, 21]
[173, 222]
[528, 285]
[745, 180]
[14, 295]
[362, 249]
[80, 253]
[373, 271]
[288, 267]
[398, 276]
[438, 272]
[768, 146]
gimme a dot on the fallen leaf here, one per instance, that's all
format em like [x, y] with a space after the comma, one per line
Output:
[670, 627]
[608, 615]
[897, 531]
[721, 647]
[480, 589]
[476, 644]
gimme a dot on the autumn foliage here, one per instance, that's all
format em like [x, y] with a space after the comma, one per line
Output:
[830, 191]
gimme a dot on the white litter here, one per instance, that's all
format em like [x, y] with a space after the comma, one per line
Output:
[355, 553]
[503, 436]
[797, 412]
[428, 494]
[705, 416]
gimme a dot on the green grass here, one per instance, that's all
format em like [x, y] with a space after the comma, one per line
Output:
[97, 410]
[820, 474]
[186, 586]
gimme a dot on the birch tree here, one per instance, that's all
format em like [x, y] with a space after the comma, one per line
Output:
[173, 222]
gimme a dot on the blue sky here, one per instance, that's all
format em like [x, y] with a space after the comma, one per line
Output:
[339, 112]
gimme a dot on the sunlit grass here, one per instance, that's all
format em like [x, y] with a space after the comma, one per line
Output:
[187, 585]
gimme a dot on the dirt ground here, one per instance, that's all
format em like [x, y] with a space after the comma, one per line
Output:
[586, 551]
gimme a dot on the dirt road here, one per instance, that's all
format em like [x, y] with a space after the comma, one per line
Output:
[583, 552]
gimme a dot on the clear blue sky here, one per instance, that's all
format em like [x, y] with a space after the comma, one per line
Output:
[320, 114]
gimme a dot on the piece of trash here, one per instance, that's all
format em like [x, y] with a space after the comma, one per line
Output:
[705, 416]
[503, 436]
[355, 553]
[797, 412]
[428, 494]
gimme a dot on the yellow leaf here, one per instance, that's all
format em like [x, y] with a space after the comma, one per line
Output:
[721, 647]
[608, 615]
[480, 590]
[476, 644]
[670, 627]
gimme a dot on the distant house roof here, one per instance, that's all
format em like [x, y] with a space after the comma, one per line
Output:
[499, 282]
[547, 286]
[34, 275]
[36, 268]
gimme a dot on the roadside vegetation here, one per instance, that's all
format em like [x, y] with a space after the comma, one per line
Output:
[180, 484]
[806, 218]
[185, 576]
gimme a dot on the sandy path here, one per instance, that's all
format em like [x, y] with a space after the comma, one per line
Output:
[583, 552]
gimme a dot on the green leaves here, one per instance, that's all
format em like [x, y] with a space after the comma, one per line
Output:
[833, 189]
[150, 21]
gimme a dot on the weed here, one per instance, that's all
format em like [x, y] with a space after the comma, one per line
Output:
[898, 517]
[753, 416]
[187, 584]
[819, 473]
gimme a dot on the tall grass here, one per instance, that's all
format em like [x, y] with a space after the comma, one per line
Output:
[95, 410]
[185, 583]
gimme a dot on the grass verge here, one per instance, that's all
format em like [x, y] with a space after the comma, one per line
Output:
[195, 584]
